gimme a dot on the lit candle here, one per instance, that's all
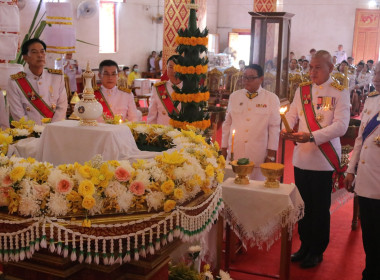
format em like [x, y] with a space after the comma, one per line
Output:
[232, 142]
[284, 120]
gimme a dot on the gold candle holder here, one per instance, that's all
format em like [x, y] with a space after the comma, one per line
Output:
[241, 172]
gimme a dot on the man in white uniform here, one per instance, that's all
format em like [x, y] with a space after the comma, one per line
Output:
[37, 93]
[115, 100]
[340, 54]
[366, 158]
[324, 107]
[158, 113]
[253, 113]
[4, 118]
[71, 68]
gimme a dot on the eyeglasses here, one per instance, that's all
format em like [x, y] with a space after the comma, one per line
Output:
[35, 52]
[110, 74]
[250, 78]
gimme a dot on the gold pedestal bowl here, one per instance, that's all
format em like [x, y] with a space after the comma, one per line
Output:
[241, 172]
[272, 170]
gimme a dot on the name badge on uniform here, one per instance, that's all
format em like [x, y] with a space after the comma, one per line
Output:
[328, 103]
[32, 96]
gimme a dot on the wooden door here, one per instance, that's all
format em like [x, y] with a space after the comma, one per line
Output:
[366, 35]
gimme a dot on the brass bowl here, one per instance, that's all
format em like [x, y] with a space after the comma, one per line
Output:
[241, 172]
[272, 170]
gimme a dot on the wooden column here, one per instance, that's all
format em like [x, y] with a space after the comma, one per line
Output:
[176, 16]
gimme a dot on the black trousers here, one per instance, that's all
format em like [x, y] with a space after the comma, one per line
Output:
[370, 223]
[315, 189]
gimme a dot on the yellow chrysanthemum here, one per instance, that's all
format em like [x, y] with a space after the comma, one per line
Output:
[167, 187]
[174, 158]
[86, 223]
[178, 193]
[169, 205]
[220, 177]
[46, 120]
[17, 173]
[222, 161]
[217, 147]
[85, 171]
[86, 188]
[139, 164]
[88, 202]
[209, 170]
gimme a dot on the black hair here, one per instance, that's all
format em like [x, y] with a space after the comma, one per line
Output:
[361, 63]
[294, 59]
[370, 61]
[173, 58]
[107, 62]
[256, 67]
[26, 45]
[125, 68]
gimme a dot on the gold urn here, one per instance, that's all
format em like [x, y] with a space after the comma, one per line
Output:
[242, 171]
[272, 170]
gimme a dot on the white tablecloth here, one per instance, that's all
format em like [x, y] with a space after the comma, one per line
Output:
[257, 213]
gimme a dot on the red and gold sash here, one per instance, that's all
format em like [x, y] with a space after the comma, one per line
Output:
[165, 98]
[106, 107]
[32, 96]
[327, 148]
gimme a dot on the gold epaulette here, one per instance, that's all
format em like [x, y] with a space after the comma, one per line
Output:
[305, 84]
[58, 59]
[127, 90]
[55, 71]
[337, 86]
[160, 83]
[373, 93]
[18, 75]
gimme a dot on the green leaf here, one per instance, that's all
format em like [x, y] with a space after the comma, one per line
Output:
[84, 42]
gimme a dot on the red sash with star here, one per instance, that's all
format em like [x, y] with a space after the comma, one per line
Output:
[165, 98]
[327, 148]
[106, 107]
[32, 96]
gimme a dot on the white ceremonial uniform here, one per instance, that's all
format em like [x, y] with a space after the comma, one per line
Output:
[257, 126]
[334, 122]
[367, 155]
[4, 117]
[340, 56]
[157, 113]
[71, 71]
[121, 103]
[50, 87]
[364, 79]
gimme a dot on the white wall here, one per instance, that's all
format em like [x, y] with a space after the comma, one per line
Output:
[137, 35]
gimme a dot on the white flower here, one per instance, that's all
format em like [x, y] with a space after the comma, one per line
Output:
[38, 128]
[224, 275]
[57, 204]
[143, 177]
[194, 249]
[212, 161]
[125, 201]
[209, 275]
[157, 174]
[174, 133]
[114, 189]
[127, 165]
[143, 129]
[185, 172]
[40, 191]
[155, 200]
[3, 159]
[29, 206]
[97, 209]
[20, 132]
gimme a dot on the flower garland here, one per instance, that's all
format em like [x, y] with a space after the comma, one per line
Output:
[192, 41]
[199, 69]
[191, 97]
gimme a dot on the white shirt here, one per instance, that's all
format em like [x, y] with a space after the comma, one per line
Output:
[340, 56]
[4, 117]
[121, 103]
[157, 113]
[257, 126]
[71, 71]
[50, 87]
[367, 155]
[334, 122]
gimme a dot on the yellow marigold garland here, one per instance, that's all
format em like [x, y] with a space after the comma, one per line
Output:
[199, 69]
[191, 41]
[183, 125]
[191, 97]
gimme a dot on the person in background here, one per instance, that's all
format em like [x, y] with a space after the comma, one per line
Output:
[161, 103]
[133, 75]
[340, 54]
[70, 68]
[365, 162]
[253, 113]
[322, 109]
[37, 93]
[310, 55]
[4, 117]
[115, 100]
[291, 56]
[151, 62]
[122, 80]
[241, 65]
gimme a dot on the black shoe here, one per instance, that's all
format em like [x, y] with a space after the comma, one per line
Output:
[311, 260]
[299, 255]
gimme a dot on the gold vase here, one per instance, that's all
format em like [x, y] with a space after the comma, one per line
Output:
[241, 172]
[272, 170]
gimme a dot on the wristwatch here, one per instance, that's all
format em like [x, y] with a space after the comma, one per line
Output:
[271, 158]
[311, 138]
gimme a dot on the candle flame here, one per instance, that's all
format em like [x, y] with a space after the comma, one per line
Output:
[283, 110]
[233, 132]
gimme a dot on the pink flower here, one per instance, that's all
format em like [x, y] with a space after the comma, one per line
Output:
[121, 174]
[7, 181]
[4, 196]
[64, 186]
[40, 191]
[137, 188]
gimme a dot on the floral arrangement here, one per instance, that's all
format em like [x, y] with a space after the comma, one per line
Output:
[32, 188]
[117, 119]
[191, 69]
